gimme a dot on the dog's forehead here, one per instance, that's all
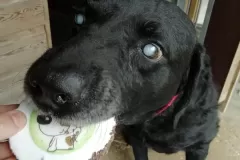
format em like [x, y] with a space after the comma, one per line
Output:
[171, 24]
[131, 13]
[135, 7]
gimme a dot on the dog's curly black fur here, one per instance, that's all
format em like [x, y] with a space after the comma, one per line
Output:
[103, 72]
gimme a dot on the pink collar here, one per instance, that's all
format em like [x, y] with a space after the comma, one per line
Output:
[160, 111]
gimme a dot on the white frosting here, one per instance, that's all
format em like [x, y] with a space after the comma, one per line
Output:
[55, 142]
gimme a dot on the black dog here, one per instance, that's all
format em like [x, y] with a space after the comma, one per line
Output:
[136, 57]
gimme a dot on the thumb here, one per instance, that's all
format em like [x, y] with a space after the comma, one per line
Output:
[11, 123]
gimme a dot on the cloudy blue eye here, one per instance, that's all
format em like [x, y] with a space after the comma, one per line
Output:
[79, 19]
[152, 51]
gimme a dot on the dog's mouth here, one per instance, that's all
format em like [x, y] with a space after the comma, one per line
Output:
[96, 102]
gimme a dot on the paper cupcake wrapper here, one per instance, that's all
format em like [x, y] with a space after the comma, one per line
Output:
[43, 138]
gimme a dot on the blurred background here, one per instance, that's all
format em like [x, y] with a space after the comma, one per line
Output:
[199, 11]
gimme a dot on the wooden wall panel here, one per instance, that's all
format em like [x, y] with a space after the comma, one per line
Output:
[6, 3]
[18, 51]
[20, 16]
[24, 36]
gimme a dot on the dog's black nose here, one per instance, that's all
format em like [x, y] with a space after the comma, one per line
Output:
[58, 89]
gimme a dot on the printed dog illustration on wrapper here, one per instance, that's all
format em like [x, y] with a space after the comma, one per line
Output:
[63, 137]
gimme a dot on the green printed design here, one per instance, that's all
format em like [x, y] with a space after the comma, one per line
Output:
[42, 141]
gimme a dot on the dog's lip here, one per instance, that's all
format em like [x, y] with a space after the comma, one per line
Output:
[50, 109]
[44, 109]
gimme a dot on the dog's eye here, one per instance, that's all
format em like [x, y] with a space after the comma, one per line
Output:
[152, 51]
[79, 19]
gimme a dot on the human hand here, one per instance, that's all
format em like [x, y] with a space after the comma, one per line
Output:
[11, 122]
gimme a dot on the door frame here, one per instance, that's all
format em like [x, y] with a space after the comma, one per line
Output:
[230, 84]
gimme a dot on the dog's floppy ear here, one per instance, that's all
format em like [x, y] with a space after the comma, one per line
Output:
[200, 64]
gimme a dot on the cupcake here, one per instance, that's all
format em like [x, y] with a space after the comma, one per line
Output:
[43, 138]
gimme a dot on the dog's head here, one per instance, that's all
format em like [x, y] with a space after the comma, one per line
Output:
[132, 59]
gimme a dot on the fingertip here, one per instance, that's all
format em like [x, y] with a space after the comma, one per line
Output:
[11, 123]
[19, 118]
[7, 108]
[5, 151]
[10, 158]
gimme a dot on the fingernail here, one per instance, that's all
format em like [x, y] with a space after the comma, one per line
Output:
[19, 118]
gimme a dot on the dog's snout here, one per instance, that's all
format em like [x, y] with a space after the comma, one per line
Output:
[54, 91]
[55, 88]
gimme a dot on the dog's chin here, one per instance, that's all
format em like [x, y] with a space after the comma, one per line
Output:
[88, 115]
[74, 121]
[82, 119]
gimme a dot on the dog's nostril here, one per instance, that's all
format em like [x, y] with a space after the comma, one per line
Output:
[61, 98]
[34, 84]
